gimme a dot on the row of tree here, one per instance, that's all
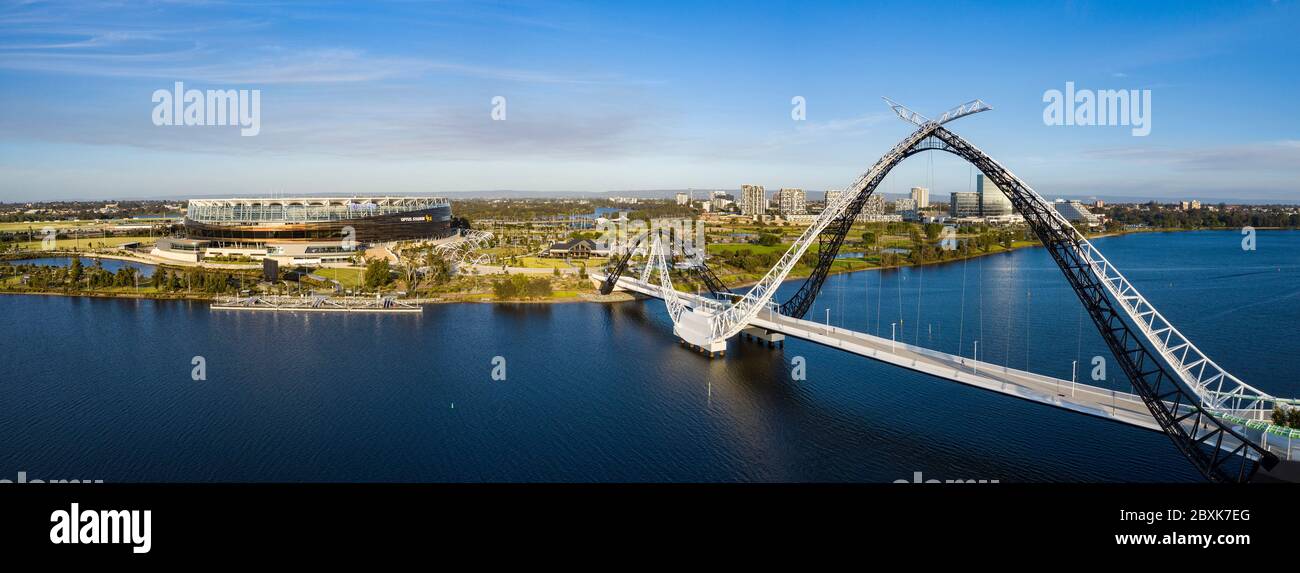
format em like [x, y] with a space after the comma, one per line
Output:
[1222, 217]
[78, 276]
[1289, 417]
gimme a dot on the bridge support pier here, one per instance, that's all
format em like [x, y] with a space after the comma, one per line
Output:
[771, 337]
[714, 349]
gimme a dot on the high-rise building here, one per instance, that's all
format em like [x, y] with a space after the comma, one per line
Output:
[873, 210]
[874, 206]
[906, 208]
[753, 200]
[964, 204]
[993, 202]
[791, 201]
[683, 199]
[921, 196]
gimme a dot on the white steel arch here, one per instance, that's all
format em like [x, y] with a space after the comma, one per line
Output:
[1217, 389]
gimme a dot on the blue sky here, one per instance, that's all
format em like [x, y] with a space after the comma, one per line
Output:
[395, 97]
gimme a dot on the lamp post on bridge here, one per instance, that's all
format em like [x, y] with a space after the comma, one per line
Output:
[891, 336]
[828, 321]
[1074, 368]
[975, 359]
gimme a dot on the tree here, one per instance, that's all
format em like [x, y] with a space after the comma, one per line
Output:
[74, 271]
[439, 268]
[869, 238]
[539, 288]
[1286, 416]
[932, 230]
[377, 273]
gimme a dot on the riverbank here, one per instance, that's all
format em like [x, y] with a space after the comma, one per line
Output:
[105, 294]
[475, 296]
[803, 273]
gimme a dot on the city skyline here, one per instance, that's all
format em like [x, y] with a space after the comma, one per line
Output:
[625, 98]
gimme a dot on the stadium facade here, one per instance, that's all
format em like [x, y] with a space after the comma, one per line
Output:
[303, 230]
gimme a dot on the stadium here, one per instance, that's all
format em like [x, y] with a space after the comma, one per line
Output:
[303, 230]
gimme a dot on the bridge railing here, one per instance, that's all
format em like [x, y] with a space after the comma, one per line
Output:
[1217, 389]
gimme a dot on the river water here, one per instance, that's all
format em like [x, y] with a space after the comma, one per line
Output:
[103, 388]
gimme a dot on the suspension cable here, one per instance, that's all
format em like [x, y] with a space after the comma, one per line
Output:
[1011, 308]
[1029, 302]
[880, 295]
[839, 293]
[1078, 348]
[920, 279]
[981, 305]
[866, 289]
[961, 329]
[898, 280]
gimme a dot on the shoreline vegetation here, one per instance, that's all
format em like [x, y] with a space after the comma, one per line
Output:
[205, 285]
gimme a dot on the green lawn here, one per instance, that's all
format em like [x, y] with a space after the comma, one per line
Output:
[549, 263]
[348, 277]
[717, 248]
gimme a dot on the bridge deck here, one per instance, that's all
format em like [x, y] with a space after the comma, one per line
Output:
[1121, 407]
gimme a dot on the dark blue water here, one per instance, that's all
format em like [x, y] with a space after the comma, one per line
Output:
[110, 265]
[101, 389]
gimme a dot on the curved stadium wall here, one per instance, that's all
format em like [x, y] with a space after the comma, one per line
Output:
[374, 219]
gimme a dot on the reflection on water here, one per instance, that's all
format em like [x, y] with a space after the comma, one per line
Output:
[110, 265]
[101, 388]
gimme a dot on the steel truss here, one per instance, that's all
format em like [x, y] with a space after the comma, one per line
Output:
[1181, 414]
[833, 238]
[613, 273]
[657, 261]
[1187, 415]
[726, 323]
[710, 280]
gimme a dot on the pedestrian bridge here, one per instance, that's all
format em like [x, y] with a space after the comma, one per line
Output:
[1217, 421]
[771, 326]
